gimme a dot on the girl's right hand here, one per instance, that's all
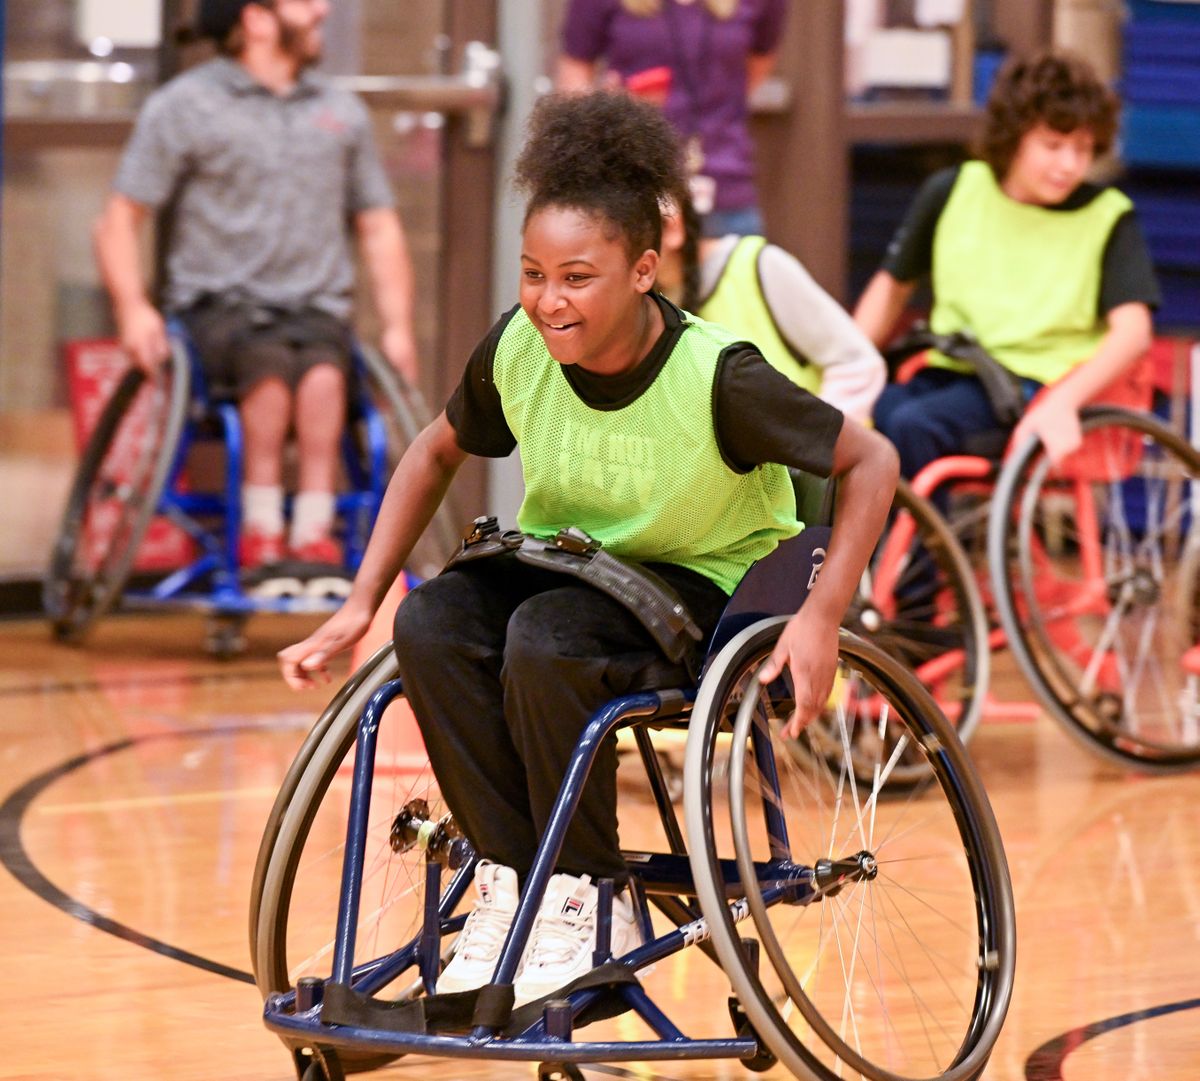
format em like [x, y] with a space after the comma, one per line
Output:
[305, 663]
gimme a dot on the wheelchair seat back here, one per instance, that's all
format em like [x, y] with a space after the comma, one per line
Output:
[774, 586]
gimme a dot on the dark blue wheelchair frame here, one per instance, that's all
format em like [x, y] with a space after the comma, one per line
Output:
[322, 1019]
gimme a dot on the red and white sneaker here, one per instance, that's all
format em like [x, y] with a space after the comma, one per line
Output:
[323, 550]
[257, 549]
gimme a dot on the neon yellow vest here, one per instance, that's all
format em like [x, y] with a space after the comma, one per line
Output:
[737, 301]
[646, 479]
[1025, 280]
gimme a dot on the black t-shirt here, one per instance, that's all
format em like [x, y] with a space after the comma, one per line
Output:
[1126, 272]
[758, 414]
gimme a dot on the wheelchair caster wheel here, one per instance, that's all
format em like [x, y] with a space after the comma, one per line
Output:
[763, 1059]
[318, 1064]
[559, 1071]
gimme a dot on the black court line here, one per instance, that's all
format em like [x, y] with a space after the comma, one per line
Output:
[19, 863]
[1046, 1063]
[193, 680]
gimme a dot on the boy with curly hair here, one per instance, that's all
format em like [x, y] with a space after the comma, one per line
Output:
[1049, 272]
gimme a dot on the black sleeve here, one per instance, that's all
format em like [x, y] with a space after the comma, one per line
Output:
[910, 254]
[1127, 273]
[474, 409]
[762, 416]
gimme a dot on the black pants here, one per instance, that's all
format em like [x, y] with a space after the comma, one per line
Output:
[504, 665]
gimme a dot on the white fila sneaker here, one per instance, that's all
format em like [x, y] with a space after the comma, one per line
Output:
[564, 936]
[477, 948]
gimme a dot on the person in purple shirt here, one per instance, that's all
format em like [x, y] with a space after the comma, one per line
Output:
[703, 58]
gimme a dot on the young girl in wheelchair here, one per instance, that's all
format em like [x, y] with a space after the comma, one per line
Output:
[657, 436]
[1047, 271]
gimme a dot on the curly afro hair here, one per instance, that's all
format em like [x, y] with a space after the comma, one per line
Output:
[607, 155]
[1056, 89]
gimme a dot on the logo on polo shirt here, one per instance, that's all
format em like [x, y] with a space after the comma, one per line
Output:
[327, 120]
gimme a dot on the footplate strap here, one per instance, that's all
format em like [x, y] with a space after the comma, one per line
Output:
[462, 1011]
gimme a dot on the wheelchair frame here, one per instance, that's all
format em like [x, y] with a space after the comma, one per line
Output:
[996, 615]
[675, 880]
[187, 409]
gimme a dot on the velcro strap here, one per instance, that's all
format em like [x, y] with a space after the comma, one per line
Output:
[611, 976]
[490, 1006]
[655, 604]
[493, 1005]
[341, 1005]
[999, 383]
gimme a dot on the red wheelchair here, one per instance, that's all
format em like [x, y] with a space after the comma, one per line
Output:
[1087, 571]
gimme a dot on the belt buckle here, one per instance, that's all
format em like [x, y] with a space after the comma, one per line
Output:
[576, 541]
[482, 528]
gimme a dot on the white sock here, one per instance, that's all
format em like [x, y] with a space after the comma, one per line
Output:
[262, 509]
[312, 517]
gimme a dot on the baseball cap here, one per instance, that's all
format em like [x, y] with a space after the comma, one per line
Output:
[215, 18]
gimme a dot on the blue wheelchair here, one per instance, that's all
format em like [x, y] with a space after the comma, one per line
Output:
[850, 886]
[132, 476]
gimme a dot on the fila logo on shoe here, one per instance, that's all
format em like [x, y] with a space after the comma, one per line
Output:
[573, 906]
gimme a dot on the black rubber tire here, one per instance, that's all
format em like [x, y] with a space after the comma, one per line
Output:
[932, 609]
[407, 415]
[352, 696]
[75, 596]
[284, 856]
[956, 823]
[1107, 668]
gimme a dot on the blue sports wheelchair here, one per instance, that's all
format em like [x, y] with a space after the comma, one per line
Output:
[849, 886]
[133, 476]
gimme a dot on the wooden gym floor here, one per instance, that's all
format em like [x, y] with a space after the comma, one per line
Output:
[137, 773]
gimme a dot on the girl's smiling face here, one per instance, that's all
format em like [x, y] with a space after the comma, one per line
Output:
[581, 291]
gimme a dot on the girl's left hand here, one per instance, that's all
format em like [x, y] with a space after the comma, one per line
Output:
[808, 647]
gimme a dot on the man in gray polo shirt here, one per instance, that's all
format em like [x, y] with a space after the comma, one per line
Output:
[268, 169]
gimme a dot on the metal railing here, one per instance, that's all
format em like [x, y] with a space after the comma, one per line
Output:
[71, 100]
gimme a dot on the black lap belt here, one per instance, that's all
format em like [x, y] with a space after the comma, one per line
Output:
[1002, 387]
[643, 593]
[462, 1011]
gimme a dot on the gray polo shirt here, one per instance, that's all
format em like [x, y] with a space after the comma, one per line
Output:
[265, 186]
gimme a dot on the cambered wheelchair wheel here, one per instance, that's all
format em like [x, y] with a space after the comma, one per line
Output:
[406, 415]
[115, 493]
[297, 879]
[920, 603]
[1094, 569]
[353, 694]
[882, 910]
